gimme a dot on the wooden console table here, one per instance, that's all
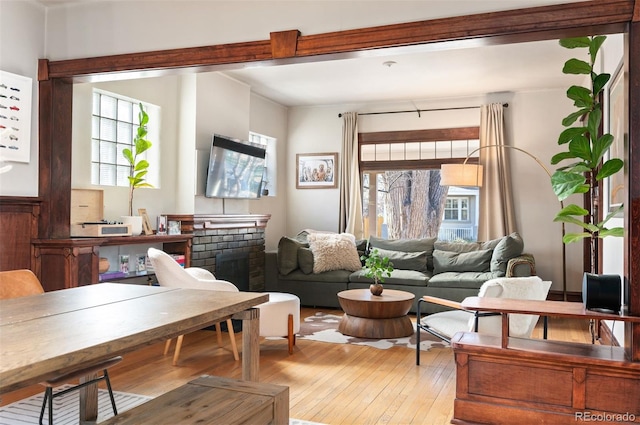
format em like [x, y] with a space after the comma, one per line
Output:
[501, 380]
[72, 262]
[541, 308]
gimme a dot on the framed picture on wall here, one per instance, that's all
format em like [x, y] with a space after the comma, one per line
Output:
[15, 117]
[316, 170]
[618, 129]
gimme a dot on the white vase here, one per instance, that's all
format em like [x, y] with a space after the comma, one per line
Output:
[136, 223]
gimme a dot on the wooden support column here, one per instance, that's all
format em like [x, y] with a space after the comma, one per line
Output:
[55, 127]
[632, 174]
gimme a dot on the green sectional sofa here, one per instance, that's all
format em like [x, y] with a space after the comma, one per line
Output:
[451, 270]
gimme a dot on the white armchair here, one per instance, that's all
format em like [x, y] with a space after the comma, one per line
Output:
[447, 323]
[169, 273]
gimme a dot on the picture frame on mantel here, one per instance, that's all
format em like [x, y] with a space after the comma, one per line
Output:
[146, 223]
[162, 225]
[316, 170]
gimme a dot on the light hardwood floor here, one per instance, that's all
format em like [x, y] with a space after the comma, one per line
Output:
[328, 383]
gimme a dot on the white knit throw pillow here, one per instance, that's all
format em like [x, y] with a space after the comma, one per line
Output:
[333, 251]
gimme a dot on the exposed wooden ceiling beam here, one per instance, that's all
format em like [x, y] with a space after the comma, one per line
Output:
[519, 25]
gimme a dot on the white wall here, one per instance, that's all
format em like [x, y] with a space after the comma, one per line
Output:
[222, 107]
[270, 119]
[535, 119]
[22, 42]
[312, 130]
[162, 92]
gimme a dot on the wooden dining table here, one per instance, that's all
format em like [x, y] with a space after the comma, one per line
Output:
[44, 336]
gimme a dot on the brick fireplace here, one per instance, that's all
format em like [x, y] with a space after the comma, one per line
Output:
[236, 239]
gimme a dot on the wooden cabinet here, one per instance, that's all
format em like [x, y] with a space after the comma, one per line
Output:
[502, 380]
[68, 263]
[18, 226]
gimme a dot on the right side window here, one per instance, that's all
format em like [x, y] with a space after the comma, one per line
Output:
[402, 196]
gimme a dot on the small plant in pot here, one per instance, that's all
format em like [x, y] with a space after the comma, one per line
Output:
[138, 168]
[376, 268]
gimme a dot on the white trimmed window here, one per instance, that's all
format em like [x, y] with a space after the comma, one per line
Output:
[456, 208]
[113, 126]
[399, 200]
[269, 179]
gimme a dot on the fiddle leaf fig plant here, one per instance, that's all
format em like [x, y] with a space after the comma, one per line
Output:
[376, 267]
[583, 146]
[138, 168]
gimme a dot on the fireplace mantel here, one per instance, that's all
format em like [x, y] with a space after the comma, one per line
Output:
[215, 234]
[191, 222]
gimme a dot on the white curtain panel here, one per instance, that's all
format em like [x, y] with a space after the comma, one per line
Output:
[497, 217]
[350, 220]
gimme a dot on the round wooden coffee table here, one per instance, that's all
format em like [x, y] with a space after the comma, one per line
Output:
[376, 316]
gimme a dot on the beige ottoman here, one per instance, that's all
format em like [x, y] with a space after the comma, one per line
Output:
[280, 317]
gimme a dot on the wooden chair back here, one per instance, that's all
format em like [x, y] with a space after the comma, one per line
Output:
[19, 283]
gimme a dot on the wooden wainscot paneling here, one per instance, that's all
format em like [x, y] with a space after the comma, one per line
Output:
[18, 226]
[538, 381]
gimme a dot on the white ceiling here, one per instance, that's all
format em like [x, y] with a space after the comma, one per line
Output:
[415, 76]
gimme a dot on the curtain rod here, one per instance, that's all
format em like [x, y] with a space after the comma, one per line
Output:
[506, 105]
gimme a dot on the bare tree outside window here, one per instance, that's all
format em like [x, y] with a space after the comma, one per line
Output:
[414, 203]
[402, 197]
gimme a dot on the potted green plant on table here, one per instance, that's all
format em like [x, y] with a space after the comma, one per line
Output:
[586, 150]
[376, 268]
[138, 167]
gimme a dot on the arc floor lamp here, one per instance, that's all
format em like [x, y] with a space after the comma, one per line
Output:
[472, 175]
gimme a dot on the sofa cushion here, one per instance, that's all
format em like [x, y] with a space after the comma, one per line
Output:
[333, 276]
[288, 254]
[456, 246]
[361, 246]
[466, 246]
[406, 260]
[334, 252]
[305, 260]
[473, 261]
[509, 247]
[398, 277]
[467, 280]
[406, 245]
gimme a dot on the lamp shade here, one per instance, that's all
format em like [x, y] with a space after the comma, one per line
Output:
[461, 175]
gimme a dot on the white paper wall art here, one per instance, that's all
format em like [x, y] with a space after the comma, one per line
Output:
[15, 117]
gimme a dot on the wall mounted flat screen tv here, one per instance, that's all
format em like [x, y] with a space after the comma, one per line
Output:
[235, 169]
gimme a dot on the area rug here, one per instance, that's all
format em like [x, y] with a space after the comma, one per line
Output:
[65, 408]
[323, 327]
